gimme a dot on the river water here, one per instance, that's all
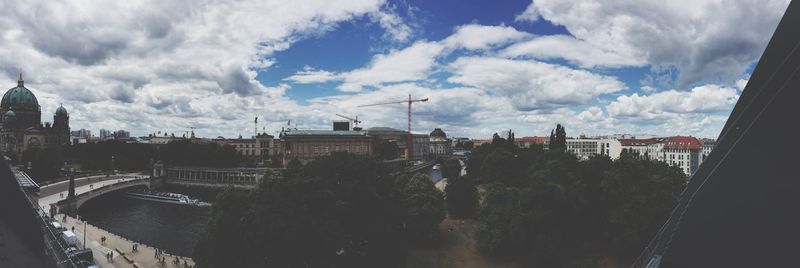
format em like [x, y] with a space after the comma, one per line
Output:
[171, 227]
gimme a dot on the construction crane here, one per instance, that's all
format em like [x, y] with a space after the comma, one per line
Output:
[354, 120]
[410, 141]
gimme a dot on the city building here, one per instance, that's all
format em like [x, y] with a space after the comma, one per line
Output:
[209, 176]
[420, 142]
[683, 152]
[258, 148]
[585, 148]
[105, 134]
[306, 145]
[82, 133]
[21, 127]
[439, 143]
[121, 134]
[651, 149]
[526, 142]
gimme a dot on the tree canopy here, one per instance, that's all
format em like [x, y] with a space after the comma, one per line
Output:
[341, 210]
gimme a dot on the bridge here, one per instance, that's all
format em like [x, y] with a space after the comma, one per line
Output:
[103, 188]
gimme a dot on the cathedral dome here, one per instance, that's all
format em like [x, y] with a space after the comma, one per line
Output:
[61, 111]
[10, 114]
[439, 133]
[19, 97]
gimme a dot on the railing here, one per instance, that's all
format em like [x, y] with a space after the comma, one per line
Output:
[53, 244]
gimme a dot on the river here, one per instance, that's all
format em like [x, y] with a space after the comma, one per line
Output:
[171, 227]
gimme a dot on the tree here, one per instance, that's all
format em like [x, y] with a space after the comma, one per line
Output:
[45, 164]
[640, 195]
[499, 222]
[451, 168]
[461, 197]
[558, 138]
[226, 232]
[337, 211]
[500, 166]
[422, 205]
[387, 150]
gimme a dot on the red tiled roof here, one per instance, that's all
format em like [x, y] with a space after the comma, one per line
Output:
[680, 142]
[637, 142]
[532, 139]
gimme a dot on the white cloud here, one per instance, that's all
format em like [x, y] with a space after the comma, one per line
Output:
[704, 99]
[475, 36]
[160, 65]
[704, 40]
[415, 62]
[409, 64]
[532, 85]
[530, 14]
[309, 76]
[396, 28]
[573, 50]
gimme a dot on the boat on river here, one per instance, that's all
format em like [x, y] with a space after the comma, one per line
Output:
[166, 197]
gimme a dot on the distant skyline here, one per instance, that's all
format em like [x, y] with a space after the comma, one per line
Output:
[597, 67]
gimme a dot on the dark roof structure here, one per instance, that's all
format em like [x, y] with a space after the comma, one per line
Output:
[740, 208]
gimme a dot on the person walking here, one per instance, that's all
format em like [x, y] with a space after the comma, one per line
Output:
[112, 255]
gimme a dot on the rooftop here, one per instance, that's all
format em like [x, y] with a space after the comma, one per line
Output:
[306, 133]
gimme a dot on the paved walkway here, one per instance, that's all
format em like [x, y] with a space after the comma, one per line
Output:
[123, 248]
[123, 255]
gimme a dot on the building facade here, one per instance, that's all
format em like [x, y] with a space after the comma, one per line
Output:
[307, 145]
[21, 127]
[683, 152]
[439, 143]
[420, 142]
[210, 177]
[585, 148]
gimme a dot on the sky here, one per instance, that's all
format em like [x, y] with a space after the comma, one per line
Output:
[597, 67]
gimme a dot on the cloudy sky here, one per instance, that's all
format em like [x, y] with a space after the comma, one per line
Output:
[598, 67]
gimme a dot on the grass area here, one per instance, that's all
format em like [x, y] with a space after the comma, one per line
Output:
[454, 247]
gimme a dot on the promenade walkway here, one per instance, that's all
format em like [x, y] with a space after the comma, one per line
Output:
[122, 247]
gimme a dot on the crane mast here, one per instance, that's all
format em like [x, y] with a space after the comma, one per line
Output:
[410, 140]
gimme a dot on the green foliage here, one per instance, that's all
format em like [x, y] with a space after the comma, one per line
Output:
[464, 145]
[640, 195]
[225, 235]
[461, 197]
[499, 221]
[422, 205]
[451, 168]
[45, 164]
[387, 150]
[187, 153]
[97, 156]
[561, 210]
[337, 211]
[558, 138]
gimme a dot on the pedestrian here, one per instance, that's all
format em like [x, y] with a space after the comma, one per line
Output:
[107, 256]
[156, 254]
[73, 229]
[112, 254]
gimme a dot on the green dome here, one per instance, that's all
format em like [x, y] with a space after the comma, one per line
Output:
[11, 113]
[19, 96]
[61, 111]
